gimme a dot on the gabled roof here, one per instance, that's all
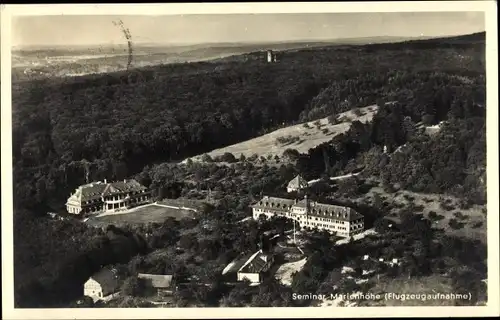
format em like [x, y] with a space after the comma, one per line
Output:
[123, 186]
[96, 190]
[277, 204]
[108, 280]
[236, 264]
[157, 280]
[333, 211]
[254, 264]
[298, 183]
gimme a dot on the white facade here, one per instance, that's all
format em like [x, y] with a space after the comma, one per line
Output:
[93, 289]
[100, 197]
[252, 277]
[342, 221]
[269, 56]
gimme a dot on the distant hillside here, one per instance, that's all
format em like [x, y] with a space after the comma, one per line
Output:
[302, 137]
[59, 61]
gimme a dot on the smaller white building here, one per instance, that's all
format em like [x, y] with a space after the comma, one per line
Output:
[102, 285]
[252, 268]
[255, 268]
[297, 184]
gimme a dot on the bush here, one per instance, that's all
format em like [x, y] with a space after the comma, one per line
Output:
[446, 206]
[228, 157]
[287, 140]
[428, 119]
[460, 215]
[465, 204]
[427, 200]
[333, 119]
[306, 125]
[454, 224]
[133, 286]
[357, 112]
[477, 224]
[206, 158]
[433, 215]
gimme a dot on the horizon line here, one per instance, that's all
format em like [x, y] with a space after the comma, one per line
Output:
[179, 44]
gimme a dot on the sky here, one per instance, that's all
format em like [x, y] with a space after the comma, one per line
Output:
[190, 29]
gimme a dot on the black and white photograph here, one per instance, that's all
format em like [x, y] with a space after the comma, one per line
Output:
[230, 157]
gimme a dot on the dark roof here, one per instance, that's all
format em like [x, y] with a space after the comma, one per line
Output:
[108, 280]
[317, 209]
[157, 280]
[237, 263]
[298, 183]
[333, 211]
[273, 203]
[96, 190]
[123, 186]
[255, 264]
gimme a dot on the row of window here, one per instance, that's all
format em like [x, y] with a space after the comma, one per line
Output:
[324, 225]
[330, 220]
[114, 197]
[99, 208]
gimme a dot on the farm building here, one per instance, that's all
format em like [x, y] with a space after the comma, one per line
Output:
[162, 284]
[102, 285]
[252, 267]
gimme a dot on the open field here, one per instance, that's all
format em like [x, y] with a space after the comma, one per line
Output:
[286, 271]
[474, 220]
[307, 138]
[151, 213]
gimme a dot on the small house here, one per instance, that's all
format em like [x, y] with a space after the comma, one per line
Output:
[102, 285]
[162, 284]
[253, 268]
[256, 267]
[297, 184]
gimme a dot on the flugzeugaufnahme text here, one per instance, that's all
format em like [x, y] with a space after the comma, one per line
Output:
[385, 296]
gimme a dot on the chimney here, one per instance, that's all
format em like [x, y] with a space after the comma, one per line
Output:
[105, 181]
[264, 257]
[124, 180]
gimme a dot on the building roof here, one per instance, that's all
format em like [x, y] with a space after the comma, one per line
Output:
[298, 183]
[317, 209]
[276, 204]
[157, 280]
[255, 263]
[95, 190]
[235, 265]
[108, 279]
[334, 211]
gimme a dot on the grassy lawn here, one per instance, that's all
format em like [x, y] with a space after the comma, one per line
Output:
[151, 213]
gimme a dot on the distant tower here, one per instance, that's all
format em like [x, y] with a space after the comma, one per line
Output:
[270, 56]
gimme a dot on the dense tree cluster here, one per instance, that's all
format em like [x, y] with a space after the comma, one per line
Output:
[421, 251]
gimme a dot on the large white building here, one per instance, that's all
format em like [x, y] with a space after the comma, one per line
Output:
[343, 221]
[100, 196]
